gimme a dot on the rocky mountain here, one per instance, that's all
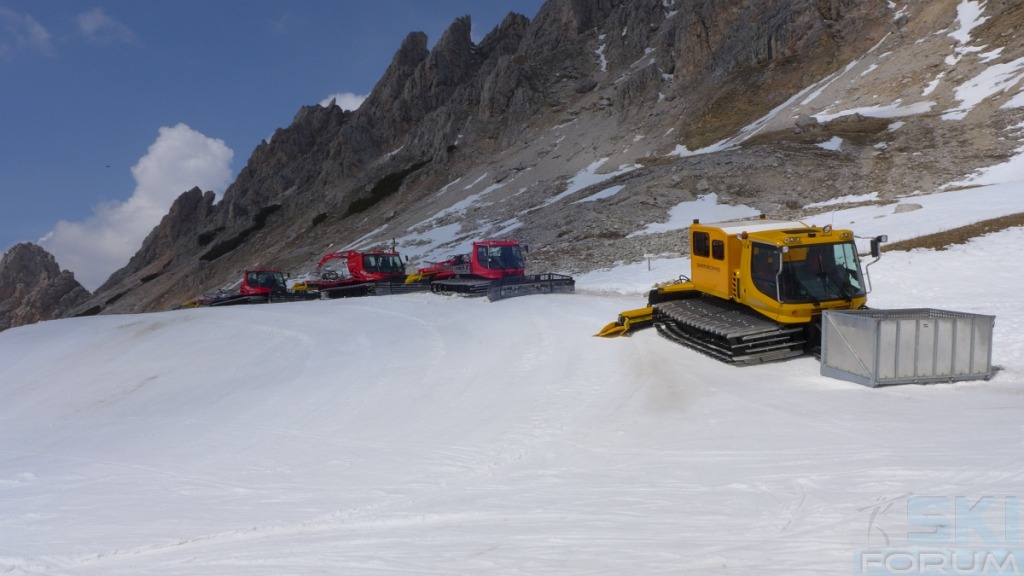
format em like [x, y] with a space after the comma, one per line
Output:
[33, 287]
[771, 104]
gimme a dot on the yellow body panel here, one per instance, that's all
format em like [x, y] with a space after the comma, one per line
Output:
[711, 273]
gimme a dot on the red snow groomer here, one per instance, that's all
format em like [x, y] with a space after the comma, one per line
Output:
[496, 268]
[257, 286]
[359, 273]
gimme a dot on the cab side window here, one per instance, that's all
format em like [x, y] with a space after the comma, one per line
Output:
[718, 249]
[701, 244]
[764, 269]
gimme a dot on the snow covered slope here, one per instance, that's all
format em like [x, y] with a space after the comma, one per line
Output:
[419, 434]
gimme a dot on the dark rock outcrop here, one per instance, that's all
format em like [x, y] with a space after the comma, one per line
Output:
[33, 288]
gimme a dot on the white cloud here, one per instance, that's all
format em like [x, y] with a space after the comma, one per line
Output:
[344, 100]
[96, 26]
[179, 160]
[23, 32]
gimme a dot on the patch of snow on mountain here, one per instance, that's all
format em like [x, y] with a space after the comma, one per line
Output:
[589, 177]
[705, 208]
[834, 144]
[993, 80]
[606, 193]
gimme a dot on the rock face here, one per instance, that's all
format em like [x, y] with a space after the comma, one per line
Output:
[588, 85]
[33, 288]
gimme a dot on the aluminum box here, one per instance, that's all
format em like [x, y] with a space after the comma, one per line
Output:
[906, 346]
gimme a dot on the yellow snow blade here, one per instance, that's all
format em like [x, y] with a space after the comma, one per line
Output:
[416, 277]
[630, 320]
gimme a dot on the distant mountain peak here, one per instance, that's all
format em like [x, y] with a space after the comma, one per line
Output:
[33, 288]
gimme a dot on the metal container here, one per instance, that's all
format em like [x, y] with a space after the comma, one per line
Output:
[907, 346]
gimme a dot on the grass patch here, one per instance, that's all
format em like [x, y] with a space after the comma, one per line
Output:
[961, 235]
[90, 312]
[259, 220]
[384, 187]
[206, 237]
[115, 298]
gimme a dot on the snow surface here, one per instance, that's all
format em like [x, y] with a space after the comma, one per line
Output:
[589, 177]
[834, 144]
[606, 193]
[421, 434]
[993, 80]
[705, 208]
[968, 15]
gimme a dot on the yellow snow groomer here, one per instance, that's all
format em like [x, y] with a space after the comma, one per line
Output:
[756, 290]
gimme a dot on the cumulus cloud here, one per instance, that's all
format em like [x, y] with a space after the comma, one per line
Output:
[23, 32]
[345, 100]
[179, 160]
[97, 26]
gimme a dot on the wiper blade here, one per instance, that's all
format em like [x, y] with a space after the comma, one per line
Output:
[825, 276]
[806, 291]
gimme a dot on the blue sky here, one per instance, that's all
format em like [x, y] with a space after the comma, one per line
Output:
[111, 109]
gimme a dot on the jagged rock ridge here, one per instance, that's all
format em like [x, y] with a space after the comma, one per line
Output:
[33, 288]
